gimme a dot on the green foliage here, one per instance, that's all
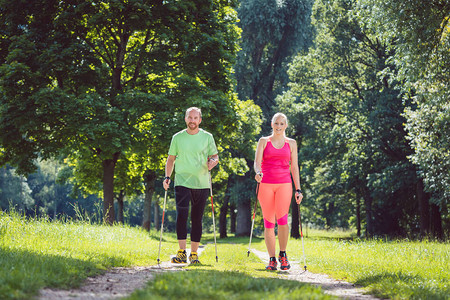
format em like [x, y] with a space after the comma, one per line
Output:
[421, 31]
[80, 78]
[14, 191]
[348, 115]
[272, 32]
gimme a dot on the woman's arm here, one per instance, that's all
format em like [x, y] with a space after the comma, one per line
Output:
[295, 170]
[258, 158]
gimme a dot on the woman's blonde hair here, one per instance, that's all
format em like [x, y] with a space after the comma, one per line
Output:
[279, 115]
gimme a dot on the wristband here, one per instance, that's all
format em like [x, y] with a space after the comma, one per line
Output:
[167, 177]
[298, 191]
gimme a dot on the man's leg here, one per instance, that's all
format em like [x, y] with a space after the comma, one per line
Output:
[194, 246]
[182, 244]
[182, 198]
[199, 197]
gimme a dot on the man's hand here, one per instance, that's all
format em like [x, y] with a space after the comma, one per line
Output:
[212, 162]
[166, 183]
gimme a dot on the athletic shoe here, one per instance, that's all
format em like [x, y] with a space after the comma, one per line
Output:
[272, 265]
[193, 258]
[180, 258]
[284, 263]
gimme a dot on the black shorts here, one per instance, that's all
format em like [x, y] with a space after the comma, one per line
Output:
[197, 198]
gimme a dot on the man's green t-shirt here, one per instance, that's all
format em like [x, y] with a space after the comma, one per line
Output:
[192, 151]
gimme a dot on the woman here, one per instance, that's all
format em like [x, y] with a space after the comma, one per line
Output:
[275, 160]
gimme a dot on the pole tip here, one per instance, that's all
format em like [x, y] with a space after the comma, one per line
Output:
[248, 253]
[217, 259]
[305, 268]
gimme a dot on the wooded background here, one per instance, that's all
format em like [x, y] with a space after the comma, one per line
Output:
[91, 93]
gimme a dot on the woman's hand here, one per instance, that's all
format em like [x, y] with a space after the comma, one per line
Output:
[298, 196]
[258, 177]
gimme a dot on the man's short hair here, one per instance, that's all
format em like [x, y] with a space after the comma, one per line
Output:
[193, 108]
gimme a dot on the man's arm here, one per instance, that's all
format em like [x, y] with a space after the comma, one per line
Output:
[169, 169]
[213, 160]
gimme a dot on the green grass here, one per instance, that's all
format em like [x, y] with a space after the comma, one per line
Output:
[39, 253]
[234, 276]
[397, 269]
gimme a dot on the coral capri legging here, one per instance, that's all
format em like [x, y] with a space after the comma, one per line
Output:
[275, 200]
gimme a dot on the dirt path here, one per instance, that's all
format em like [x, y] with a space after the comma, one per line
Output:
[121, 282]
[114, 284]
[330, 286]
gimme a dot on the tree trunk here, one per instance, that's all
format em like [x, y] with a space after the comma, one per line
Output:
[329, 210]
[156, 214]
[223, 218]
[423, 199]
[243, 219]
[233, 218]
[295, 224]
[224, 211]
[436, 222]
[120, 206]
[369, 212]
[108, 188]
[358, 216]
[149, 181]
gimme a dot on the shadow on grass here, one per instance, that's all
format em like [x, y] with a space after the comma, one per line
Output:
[23, 273]
[404, 286]
[243, 240]
[210, 284]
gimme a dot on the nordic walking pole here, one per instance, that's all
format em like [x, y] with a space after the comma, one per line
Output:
[253, 221]
[162, 225]
[301, 234]
[214, 222]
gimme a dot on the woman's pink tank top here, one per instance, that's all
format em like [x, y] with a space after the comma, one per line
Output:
[275, 164]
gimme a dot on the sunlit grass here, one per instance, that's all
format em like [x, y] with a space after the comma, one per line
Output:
[234, 276]
[38, 253]
[398, 269]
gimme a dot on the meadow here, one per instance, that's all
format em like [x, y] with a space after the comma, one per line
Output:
[41, 253]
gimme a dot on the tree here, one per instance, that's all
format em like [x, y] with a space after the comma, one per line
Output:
[272, 33]
[420, 30]
[14, 191]
[354, 141]
[81, 77]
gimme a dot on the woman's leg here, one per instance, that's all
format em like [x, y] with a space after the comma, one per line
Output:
[269, 238]
[283, 196]
[267, 201]
[283, 236]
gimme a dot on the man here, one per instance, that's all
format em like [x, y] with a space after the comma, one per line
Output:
[195, 153]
